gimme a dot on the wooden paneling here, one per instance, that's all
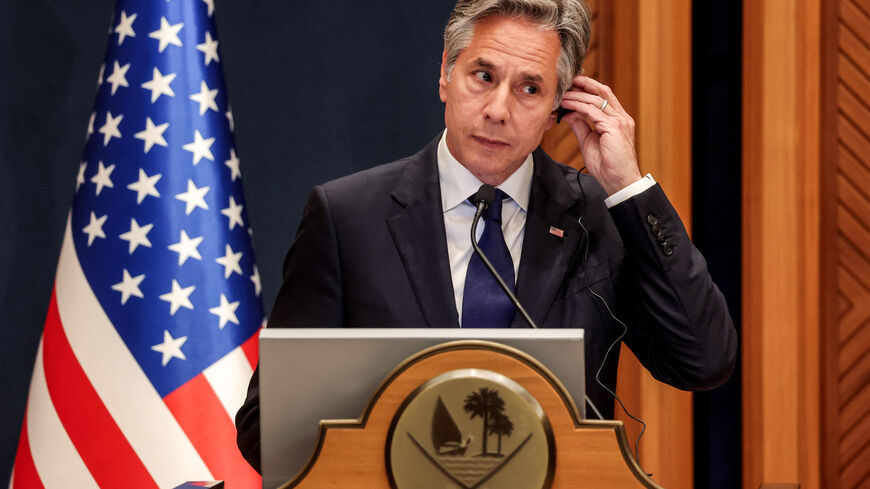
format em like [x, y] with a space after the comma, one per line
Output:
[846, 199]
[648, 65]
[781, 209]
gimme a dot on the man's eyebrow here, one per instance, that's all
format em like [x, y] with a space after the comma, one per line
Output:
[482, 63]
[529, 77]
[532, 77]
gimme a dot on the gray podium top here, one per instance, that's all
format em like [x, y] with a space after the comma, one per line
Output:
[311, 374]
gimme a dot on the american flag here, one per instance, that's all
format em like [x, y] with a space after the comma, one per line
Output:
[150, 337]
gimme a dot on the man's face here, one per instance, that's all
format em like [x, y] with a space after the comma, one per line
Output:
[499, 99]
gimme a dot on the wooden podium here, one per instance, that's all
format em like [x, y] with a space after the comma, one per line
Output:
[471, 414]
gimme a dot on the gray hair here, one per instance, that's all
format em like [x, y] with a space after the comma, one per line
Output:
[568, 18]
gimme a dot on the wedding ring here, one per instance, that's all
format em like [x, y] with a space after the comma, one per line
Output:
[603, 106]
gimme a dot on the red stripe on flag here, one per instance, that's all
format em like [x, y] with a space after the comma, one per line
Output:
[26, 476]
[251, 347]
[205, 422]
[98, 439]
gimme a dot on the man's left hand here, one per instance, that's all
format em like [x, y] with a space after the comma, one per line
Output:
[605, 133]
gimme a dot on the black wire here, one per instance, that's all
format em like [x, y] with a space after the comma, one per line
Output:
[616, 341]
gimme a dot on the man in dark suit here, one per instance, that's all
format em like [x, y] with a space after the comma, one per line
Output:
[390, 246]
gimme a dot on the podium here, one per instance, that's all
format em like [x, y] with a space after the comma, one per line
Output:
[471, 414]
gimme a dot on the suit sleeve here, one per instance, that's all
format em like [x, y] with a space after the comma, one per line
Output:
[311, 296]
[679, 326]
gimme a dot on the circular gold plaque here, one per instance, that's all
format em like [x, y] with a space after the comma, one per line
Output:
[470, 429]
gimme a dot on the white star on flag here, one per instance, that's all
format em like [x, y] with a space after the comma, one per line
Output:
[159, 85]
[152, 134]
[201, 148]
[233, 164]
[229, 115]
[118, 77]
[230, 262]
[137, 235]
[178, 297]
[94, 229]
[80, 178]
[103, 178]
[205, 98]
[129, 286]
[145, 186]
[186, 248]
[209, 48]
[256, 279]
[210, 4]
[167, 34]
[125, 27]
[91, 125]
[194, 197]
[226, 311]
[170, 348]
[100, 77]
[110, 130]
[234, 213]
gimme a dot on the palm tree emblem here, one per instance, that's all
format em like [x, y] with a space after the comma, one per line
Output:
[486, 404]
[501, 425]
[503, 409]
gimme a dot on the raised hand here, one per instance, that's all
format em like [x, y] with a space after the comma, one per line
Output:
[605, 132]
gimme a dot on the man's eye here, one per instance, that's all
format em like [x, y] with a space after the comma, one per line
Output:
[483, 76]
[530, 89]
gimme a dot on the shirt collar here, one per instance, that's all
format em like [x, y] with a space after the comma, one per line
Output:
[457, 183]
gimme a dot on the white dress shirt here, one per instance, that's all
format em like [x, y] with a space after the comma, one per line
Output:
[458, 184]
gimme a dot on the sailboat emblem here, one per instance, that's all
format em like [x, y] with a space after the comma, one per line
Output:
[446, 437]
[470, 429]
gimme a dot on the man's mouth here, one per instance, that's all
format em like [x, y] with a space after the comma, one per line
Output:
[490, 143]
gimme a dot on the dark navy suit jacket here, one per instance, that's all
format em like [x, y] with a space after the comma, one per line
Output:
[371, 252]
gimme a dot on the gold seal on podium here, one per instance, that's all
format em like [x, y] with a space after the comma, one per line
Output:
[468, 429]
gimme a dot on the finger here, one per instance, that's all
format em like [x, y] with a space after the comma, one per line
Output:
[597, 88]
[603, 121]
[590, 111]
[587, 98]
[579, 126]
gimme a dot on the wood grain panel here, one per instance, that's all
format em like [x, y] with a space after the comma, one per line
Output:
[781, 173]
[855, 80]
[642, 50]
[846, 443]
[852, 139]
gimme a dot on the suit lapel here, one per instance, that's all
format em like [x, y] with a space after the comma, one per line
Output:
[546, 256]
[418, 233]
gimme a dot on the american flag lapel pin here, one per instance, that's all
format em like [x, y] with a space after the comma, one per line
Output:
[557, 232]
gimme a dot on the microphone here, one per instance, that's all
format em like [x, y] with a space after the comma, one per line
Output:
[482, 200]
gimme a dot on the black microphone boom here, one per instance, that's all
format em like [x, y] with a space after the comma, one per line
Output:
[483, 199]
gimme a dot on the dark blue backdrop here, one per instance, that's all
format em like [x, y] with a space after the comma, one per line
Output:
[319, 89]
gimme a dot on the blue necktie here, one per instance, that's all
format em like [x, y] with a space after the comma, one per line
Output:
[484, 303]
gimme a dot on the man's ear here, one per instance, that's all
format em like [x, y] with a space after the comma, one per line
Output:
[442, 80]
[551, 119]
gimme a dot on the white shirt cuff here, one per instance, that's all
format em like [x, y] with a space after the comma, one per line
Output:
[630, 191]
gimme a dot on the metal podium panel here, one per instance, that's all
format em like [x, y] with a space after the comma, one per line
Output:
[311, 374]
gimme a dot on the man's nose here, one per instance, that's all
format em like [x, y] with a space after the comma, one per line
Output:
[498, 106]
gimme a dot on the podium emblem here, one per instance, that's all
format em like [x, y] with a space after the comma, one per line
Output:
[469, 429]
